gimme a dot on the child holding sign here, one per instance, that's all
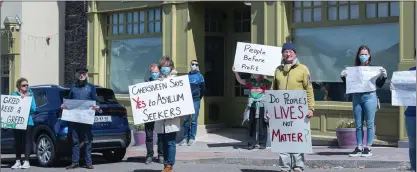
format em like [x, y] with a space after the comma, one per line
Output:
[255, 108]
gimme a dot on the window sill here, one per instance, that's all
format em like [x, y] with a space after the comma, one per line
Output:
[344, 106]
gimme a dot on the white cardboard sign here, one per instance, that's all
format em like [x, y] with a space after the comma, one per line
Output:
[361, 79]
[79, 111]
[404, 93]
[15, 111]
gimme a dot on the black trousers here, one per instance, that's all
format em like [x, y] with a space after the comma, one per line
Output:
[262, 127]
[149, 140]
[23, 142]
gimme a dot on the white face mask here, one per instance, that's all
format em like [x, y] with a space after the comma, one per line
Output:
[194, 68]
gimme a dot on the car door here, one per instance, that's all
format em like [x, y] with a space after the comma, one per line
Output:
[7, 141]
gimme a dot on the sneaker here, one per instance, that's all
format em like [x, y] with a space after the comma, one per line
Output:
[262, 147]
[367, 152]
[183, 142]
[191, 142]
[356, 152]
[149, 160]
[89, 166]
[25, 165]
[250, 147]
[72, 166]
[161, 159]
[17, 165]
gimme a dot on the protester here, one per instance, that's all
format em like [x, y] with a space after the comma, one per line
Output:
[364, 104]
[197, 90]
[291, 75]
[81, 133]
[24, 137]
[168, 127]
[255, 109]
[410, 126]
[149, 127]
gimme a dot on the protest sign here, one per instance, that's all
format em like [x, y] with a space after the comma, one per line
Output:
[289, 125]
[362, 79]
[159, 100]
[15, 111]
[79, 111]
[404, 93]
[257, 59]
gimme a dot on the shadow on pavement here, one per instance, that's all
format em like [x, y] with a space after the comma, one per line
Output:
[237, 145]
[147, 170]
[252, 170]
[331, 153]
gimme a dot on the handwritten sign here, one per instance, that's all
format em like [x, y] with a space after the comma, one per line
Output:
[15, 111]
[158, 100]
[362, 79]
[290, 127]
[257, 59]
[404, 93]
[79, 111]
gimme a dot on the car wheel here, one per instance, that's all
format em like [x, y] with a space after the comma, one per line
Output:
[45, 150]
[115, 155]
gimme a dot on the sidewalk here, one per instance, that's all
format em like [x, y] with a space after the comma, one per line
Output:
[220, 149]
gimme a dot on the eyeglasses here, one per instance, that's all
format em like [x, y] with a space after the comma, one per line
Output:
[25, 85]
[194, 64]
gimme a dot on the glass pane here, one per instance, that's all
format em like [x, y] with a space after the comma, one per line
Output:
[213, 26]
[142, 16]
[370, 10]
[115, 18]
[326, 58]
[151, 27]
[121, 29]
[297, 4]
[354, 11]
[158, 14]
[246, 26]
[129, 61]
[332, 13]
[343, 2]
[332, 2]
[237, 15]
[297, 15]
[151, 15]
[107, 30]
[246, 14]
[135, 17]
[317, 14]
[129, 29]
[307, 15]
[343, 12]
[316, 3]
[121, 18]
[306, 3]
[141, 28]
[383, 9]
[214, 55]
[129, 17]
[135, 29]
[158, 27]
[114, 30]
[394, 8]
[238, 26]
[108, 19]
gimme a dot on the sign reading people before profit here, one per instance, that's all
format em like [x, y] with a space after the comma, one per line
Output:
[289, 125]
[15, 111]
[257, 59]
[159, 100]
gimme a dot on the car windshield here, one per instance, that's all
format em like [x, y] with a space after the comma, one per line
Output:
[104, 96]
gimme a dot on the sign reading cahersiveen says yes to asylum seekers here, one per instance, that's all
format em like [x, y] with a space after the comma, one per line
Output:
[257, 59]
[159, 100]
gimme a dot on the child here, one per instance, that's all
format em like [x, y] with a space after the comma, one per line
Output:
[256, 108]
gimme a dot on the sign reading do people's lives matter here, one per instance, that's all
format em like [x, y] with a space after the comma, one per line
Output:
[159, 100]
[362, 79]
[404, 92]
[15, 111]
[289, 125]
[257, 59]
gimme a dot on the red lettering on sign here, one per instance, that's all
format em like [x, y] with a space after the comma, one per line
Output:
[287, 137]
[139, 104]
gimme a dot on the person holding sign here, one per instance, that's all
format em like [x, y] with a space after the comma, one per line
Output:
[168, 127]
[24, 137]
[255, 109]
[81, 133]
[197, 90]
[291, 75]
[365, 104]
[149, 127]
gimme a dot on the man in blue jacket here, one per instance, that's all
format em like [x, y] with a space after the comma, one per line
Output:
[81, 133]
[197, 90]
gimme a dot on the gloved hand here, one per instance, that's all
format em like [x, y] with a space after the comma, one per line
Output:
[384, 73]
[344, 73]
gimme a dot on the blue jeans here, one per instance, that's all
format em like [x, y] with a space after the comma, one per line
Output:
[410, 126]
[81, 133]
[191, 131]
[169, 146]
[364, 108]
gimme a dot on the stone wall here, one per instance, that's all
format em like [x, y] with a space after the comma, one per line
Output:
[75, 38]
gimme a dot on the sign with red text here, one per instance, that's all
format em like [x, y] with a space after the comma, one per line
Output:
[288, 123]
[159, 100]
[257, 59]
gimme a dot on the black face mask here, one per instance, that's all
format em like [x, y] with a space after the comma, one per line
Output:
[81, 83]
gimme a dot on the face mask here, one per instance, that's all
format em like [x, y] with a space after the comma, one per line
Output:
[155, 75]
[363, 58]
[194, 68]
[165, 70]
